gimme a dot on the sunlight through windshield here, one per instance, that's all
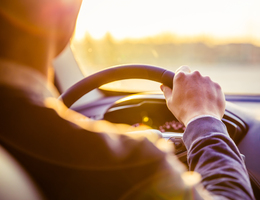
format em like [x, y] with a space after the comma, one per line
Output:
[219, 38]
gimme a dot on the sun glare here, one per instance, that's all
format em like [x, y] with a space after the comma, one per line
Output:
[208, 35]
[221, 19]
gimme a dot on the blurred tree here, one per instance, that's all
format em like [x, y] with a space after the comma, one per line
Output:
[109, 51]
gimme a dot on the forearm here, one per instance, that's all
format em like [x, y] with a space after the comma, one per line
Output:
[213, 154]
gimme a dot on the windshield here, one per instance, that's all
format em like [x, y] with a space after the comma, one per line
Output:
[221, 39]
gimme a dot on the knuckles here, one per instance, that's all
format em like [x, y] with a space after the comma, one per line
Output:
[180, 76]
[207, 78]
[196, 74]
[217, 86]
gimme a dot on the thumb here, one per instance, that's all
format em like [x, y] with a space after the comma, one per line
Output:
[166, 91]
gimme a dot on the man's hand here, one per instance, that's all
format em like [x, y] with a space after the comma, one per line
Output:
[193, 95]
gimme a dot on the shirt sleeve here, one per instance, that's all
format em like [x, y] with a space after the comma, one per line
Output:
[214, 155]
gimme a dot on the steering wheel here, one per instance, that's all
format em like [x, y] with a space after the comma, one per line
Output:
[126, 72]
[114, 74]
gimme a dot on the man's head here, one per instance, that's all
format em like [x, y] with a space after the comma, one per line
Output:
[43, 20]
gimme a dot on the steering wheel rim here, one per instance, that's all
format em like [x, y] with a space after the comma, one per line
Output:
[116, 73]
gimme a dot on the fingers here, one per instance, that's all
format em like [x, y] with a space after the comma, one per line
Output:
[166, 91]
[180, 74]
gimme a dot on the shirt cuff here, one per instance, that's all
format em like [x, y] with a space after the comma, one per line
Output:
[202, 127]
[201, 116]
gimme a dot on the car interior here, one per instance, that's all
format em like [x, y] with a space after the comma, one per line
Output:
[134, 108]
[91, 72]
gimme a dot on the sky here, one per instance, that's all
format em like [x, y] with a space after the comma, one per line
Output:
[141, 18]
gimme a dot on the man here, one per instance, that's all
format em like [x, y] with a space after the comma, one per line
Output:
[68, 161]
